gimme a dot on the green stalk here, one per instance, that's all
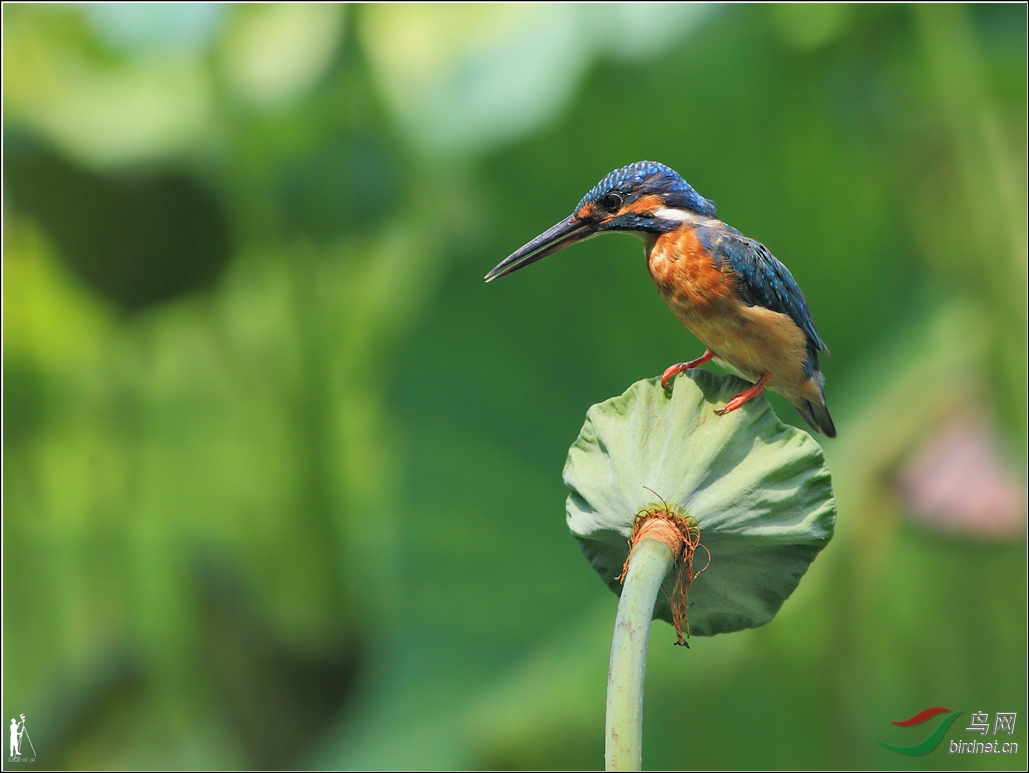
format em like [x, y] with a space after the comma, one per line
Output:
[649, 563]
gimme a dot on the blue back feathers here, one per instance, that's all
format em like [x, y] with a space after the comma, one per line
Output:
[764, 281]
[650, 177]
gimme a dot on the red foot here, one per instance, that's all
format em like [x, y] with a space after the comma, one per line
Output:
[676, 369]
[745, 395]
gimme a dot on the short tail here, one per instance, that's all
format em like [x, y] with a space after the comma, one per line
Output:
[817, 416]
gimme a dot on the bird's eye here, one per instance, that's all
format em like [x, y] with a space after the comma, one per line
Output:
[612, 202]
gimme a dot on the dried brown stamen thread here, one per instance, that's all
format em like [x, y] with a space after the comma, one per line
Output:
[681, 532]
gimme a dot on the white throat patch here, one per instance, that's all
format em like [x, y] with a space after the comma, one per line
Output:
[676, 215]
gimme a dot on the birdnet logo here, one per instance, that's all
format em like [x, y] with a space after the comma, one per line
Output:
[19, 739]
[1003, 723]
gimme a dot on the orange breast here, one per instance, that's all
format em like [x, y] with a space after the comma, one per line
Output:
[700, 291]
[686, 275]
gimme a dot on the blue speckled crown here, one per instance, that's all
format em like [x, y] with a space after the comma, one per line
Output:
[645, 177]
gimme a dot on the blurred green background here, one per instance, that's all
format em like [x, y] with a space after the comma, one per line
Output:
[282, 475]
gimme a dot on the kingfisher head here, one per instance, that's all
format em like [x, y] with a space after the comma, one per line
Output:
[645, 198]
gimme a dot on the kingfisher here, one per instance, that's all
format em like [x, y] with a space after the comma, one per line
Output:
[725, 288]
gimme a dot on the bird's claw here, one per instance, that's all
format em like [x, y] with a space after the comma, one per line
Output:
[672, 372]
[745, 395]
[732, 405]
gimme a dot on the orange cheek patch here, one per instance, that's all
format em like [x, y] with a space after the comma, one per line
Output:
[643, 204]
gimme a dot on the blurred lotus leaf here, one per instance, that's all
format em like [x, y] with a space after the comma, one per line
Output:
[760, 491]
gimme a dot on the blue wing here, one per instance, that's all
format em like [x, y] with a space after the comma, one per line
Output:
[763, 280]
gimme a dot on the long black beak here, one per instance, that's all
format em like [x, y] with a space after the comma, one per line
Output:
[562, 235]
